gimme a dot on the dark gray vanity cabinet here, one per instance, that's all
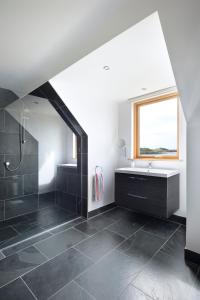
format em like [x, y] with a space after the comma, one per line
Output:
[157, 196]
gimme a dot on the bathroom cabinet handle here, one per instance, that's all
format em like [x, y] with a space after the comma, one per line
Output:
[137, 196]
[138, 178]
[142, 179]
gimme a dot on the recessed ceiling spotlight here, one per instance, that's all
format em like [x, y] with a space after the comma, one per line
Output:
[106, 68]
[143, 89]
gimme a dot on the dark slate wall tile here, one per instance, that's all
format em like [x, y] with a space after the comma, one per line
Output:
[6, 97]
[11, 187]
[47, 199]
[11, 125]
[73, 184]
[66, 201]
[83, 163]
[2, 120]
[84, 144]
[9, 143]
[31, 184]
[1, 210]
[29, 164]
[2, 165]
[21, 205]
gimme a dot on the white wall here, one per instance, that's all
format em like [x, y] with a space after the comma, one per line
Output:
[126, 121]
[193, 182]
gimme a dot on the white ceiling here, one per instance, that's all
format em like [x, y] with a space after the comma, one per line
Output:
[137, 58]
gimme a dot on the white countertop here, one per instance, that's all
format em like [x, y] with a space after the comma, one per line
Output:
[148, 172]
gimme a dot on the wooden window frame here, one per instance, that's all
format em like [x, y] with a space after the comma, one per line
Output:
[136, 141]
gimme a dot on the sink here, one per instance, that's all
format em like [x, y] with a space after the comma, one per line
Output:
[148, 172]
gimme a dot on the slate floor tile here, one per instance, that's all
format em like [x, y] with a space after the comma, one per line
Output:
[141, 246]
[100, 222]
[131, 293]
[53, 275]
[60, 242]
[24, 243]
[6, 234]
[1, 255]
[176, 244]
[109, 277]
[72, 291]
[87, 228]
[161, 228]
[124, 227]
[117, 213]
[16, 290]
[98, 245]
[163, 278]
[67, 225]
[17, 264]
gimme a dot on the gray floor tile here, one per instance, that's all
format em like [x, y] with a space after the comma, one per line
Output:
[60, 242]
[67, 225]
[17, 264]
[1, 255]
[141, 246]
[132, 293]
[176, 244]
[98, 245]
[24, 227]
[72, 291]
[109, 277]
[161, 228]
[117, 213]
[24, 244]
[124, 227]
[16, 290]
[87, 228]
[6, 234]
[166, 278]
[50, 277]
[100, 222]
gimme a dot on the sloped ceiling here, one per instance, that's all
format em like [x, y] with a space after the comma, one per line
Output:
[138, 63]
[41, 38]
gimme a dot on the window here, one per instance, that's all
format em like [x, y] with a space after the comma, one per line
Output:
[156, 128]
[74, 147]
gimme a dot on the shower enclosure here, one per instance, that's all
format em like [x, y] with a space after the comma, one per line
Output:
[41, 166]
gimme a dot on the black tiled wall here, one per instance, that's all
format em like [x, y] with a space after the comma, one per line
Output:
[65, 192]
[68, 188]
[18, 189]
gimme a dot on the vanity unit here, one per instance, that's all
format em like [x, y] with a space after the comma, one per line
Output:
[150, 191]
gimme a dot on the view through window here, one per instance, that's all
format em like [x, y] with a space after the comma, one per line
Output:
[156, 128]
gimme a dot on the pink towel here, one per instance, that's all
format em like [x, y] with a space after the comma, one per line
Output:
[99, 183]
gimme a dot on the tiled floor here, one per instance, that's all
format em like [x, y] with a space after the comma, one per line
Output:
[115, 255]
[18, 229]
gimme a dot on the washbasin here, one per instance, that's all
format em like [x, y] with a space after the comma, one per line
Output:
[148, 171]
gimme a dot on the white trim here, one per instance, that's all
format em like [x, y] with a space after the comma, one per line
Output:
[154, 94]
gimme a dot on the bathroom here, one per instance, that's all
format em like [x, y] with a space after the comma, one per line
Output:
[99, 150]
